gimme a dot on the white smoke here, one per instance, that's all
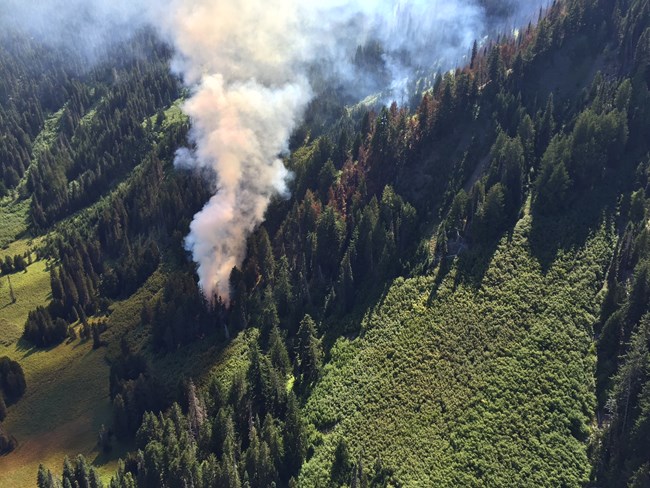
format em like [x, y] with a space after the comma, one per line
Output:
[247, 65]
[239, 129]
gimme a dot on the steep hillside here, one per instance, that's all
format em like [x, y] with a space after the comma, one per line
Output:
[66, 403]
[464, 383]
[453, 295]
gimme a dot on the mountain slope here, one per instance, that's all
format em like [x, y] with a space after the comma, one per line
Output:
[452, 384]
[453, 295]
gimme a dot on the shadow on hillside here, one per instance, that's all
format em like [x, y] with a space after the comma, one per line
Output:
[27, 348]
[472, 264]
[550, 234]
[349, 323]
[118, 450]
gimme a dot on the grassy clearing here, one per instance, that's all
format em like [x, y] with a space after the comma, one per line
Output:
[47, 136]
[31, 288]
[172, 116]
[463, 385]
[67, 390]
[21, 246]
[63, 408]
[67, 386]
[90, 115]
[13, 216]
[125, 316]
[200, 360]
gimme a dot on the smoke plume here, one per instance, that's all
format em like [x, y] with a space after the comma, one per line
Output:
[247, 65]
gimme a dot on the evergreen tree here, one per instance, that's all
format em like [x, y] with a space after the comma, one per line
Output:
[3, 407]
[309, 352]
[294, 437]
[342, 464]
[278, 352]
[473, 56]
[553, 182]
[120, 417]
[283, 289]
[68, 473]
[545, 127]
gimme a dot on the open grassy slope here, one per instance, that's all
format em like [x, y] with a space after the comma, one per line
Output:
[31, 289]
[67, 386]
[201, 360]
[63, 408]
[466, 384]
[13, 218]
[67, 398]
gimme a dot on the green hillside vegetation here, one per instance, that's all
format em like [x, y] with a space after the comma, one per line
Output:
[44, 422]
[30, 289]
[14, 215]
[456, 294]
[452, 384]
[61, 412]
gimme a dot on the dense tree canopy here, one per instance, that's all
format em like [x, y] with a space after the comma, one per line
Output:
[517, 139]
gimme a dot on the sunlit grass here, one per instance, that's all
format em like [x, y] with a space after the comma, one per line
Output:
[13, 220]
[65, 404]
[31, 289]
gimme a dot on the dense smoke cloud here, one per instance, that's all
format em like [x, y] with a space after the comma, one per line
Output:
[247, 65]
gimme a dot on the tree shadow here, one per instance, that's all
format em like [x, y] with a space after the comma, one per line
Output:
[79, 342]
[27, 348]
[586, 212]
[118, 450]
[472, 263]
[444, 268]
[369, 297]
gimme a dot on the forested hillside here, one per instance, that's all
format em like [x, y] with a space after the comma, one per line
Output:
[456, 292]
